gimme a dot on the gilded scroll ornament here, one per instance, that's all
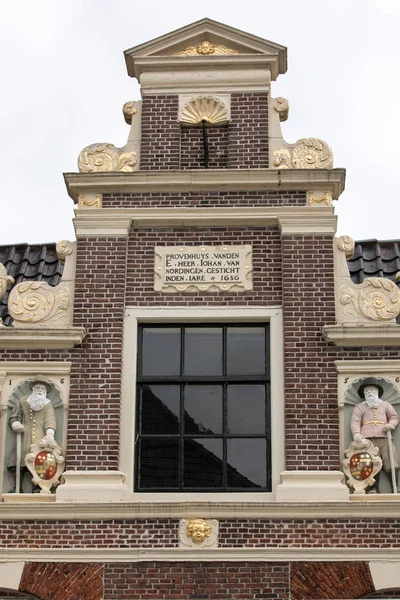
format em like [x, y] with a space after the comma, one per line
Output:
[5, 281]
[98, 158]
[319, 197]
[307, 153]
[204, 108]
[206, 48]
[281, 106]
[32, 302]
[376, 298]
[84, 202]
[198, 533]
[64, 249]
[129, 109]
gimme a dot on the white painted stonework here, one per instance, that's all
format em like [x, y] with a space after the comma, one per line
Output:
[312, 486]
[93, 486]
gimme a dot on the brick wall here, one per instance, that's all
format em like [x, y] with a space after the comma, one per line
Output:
[64, 581]
[160, 143]
[204, 199]
[192, 147]
[266, 265]
[312, 418]
[166, 145]
[248, 131]
[197, 580]
[224, 580]
[233, 533]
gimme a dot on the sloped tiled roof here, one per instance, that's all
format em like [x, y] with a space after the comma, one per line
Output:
[375, 259]
[38, 262]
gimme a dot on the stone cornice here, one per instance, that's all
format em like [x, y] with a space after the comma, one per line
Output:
[245, 554]
[376, 334]
[382, 508]
[208, 179]
[40, 338]
[117, 222]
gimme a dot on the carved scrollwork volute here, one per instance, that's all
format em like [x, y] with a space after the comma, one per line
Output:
[36, 302]
[99, 158]
[374, 299]
[307, 153]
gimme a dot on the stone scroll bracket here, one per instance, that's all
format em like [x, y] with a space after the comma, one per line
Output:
[375, 300]
[36, 304]
[105, 157]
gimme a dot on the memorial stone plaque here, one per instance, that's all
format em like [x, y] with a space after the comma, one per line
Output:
[191, 268]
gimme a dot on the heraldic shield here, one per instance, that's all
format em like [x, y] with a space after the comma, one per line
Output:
[361, 464]
[46, 465]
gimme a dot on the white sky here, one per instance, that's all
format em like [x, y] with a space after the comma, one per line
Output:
[64, 83]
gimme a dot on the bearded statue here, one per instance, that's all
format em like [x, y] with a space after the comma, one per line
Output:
[34, 418]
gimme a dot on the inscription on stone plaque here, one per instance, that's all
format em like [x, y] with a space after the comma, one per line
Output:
[189, 268]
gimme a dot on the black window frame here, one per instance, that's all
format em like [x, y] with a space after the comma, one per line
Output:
[224, 380]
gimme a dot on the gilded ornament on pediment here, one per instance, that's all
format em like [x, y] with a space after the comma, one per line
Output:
[129, 109]
[83, 202]
[204, 108]
[36, 302]
[98, 158]
[206, 48]
[307, 153]
[281, 106]
[376, 298]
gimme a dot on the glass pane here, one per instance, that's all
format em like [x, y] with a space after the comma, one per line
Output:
[203, 409]
[203, 351]
[161, 351]
[247, 463]
[159, 463]
[246, 409]
[202, 463]
[245, 351]
[160, 409]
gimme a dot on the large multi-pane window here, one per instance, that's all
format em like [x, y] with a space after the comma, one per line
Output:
[203, 409]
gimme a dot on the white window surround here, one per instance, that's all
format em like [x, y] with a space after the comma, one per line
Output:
[243, 314]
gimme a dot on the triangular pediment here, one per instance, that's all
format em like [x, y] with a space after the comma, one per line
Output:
[206, 39]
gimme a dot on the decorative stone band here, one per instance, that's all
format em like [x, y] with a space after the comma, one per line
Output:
[307, 153]
[98, 158]
[375, 299]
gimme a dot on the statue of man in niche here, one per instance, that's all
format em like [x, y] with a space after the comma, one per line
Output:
[34, 418]
[371, 419]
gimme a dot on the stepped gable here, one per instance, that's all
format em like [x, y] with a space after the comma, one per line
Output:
[38, 262]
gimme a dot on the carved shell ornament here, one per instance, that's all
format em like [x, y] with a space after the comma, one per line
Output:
[307, 153]
[204, 108]
[98, 158]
